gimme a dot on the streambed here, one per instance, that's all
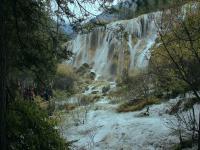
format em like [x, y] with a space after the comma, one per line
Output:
[102, 128]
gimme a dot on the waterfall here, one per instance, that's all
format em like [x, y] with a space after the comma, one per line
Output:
[109, 51]
[120, 45]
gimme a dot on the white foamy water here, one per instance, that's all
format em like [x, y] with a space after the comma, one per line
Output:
[104, 47]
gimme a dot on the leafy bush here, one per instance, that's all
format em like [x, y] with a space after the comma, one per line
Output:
[136, 106]
[60, 95]
[30, 128]
[65, 77]
[64, 70]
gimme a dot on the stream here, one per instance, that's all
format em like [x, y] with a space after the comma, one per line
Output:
[99, 127]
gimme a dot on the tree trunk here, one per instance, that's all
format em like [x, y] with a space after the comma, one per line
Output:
[180, 137]
[3, 76]
[199, 134]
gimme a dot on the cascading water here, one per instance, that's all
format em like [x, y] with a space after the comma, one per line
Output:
[118, 46]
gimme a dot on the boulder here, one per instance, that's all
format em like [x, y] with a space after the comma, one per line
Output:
[105, 89]
[92, 75]
[94, 92]
[83, 69]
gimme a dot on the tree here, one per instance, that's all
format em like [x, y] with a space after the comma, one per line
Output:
[177, 56]
[176, 59]
[27, 49]
[29, 128]
[4, 70]
[139, 85]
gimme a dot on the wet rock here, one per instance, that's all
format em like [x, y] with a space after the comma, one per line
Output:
[86, 88]
[144, 114]
[92, 75]
[85, 65]
[105, 89]
[83, 69]
[94, 92]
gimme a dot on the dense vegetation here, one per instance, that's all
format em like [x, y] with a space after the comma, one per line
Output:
[29, 128]
[31, 47]
[175, 63]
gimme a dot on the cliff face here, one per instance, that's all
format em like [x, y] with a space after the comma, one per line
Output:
[121, 46]
[118, 47]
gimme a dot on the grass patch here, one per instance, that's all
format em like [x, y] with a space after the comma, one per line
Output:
[65, 78]
[70, 107]
[65, 70]
[115, 100]
[60, 95]
[136, 106]
[86, 100]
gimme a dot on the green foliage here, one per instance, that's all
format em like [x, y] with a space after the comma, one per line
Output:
[137, 85]
[175, 62]
[60, 95]
[65, 78]
[30, 128]
[34, 48]
[146, 6]
[64, 70]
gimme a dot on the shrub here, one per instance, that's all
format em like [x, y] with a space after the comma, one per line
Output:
[30, 128]
[120, 92]
[70, 107]
[136, 106]
[86, 100]
[60, 95]
[64, 83]
[65, 78]
[64, 70]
